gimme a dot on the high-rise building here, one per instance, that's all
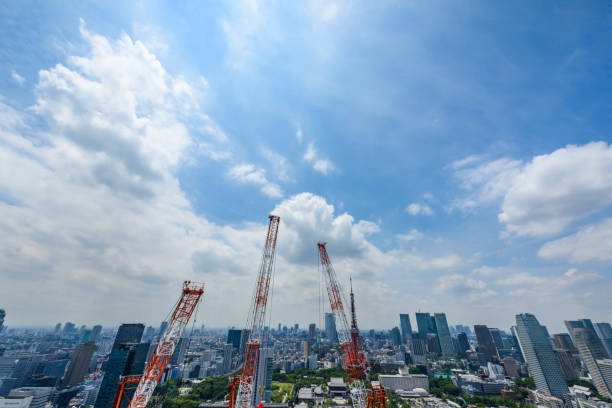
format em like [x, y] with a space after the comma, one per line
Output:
[312, 330]
[263, 377]
[162, 328]
[592, 353]
[566, 361]
[406, 328]
[58, 328]
[228, 350]
[486, 345]
[446, 342]
[541, 360]
[126, 359]
[128, 333]
[40, 395]
[95, 333]
[424, 324]
[596, 344]
[418, 349]
[604, 331]
[233, 338]
[462, 340]
[396, 337]
[178, 356]
[564, 341]
[497, 338]
[2, 316]
[79, 364]
[306, 349]
[330, 327]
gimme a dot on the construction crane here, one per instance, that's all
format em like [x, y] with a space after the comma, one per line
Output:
[355, 362]
[241, 389]
[180, 315]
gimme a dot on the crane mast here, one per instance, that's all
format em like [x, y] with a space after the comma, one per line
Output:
[255, 321]
[355, 362]
[187, 303]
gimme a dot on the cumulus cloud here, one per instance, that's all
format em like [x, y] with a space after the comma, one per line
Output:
[544, 196]
[419, 209]
[248, 173]
[459, 285]
[590, 242]
[323, 166]
[411, 235]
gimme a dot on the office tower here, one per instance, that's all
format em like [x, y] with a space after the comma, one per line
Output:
[564, 341]
[24, 369]
[566, 361]
[40, 395]
[462, 340]
[406, 328]
[595, 345]
[306, 349]
[54, 368]
[433, 344]
[424, 324]
[418, 351]
[312, 330]
[511, 367]
[604, 331]
[128, 333]
[592, 354]
[296, 328]
[263, 377]
[233, 338]
[178, 356]
[538, 352]
[228, 351]
[396, 337]
[446, 342]
[244, 339]
[126, 359]
[162, 328]
[486, 345]
[69, 328]
[95, 333]
[330, 327]
[497, 338]
[79, 364]
[58, 328]
[2, 316]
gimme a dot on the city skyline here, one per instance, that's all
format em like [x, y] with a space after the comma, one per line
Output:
[473, 181]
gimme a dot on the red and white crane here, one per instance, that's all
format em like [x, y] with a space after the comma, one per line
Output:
[184, 308]
[355, 362]
[241, 390]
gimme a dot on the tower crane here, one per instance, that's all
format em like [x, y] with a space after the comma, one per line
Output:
[355, 362]
[181, 313]
[241, 389]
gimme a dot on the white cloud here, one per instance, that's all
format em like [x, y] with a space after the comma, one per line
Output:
[299, 135]
[323, 166]
[590, 242]
[17, 78]
[248, 173]
[411, 235]
[463, 286]
[542, 197]
[419, 209]
[279, 163]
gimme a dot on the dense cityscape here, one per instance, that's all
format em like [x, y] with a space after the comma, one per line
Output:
[432, 364]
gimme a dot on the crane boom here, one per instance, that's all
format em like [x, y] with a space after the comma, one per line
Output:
[187, 303]
[255, 320]
[355, 362]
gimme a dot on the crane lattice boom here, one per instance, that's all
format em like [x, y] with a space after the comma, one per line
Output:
[190, 297]
[355, 362]
[255, 320]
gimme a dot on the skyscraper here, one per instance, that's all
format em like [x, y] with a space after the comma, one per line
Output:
[564, 341]
[538, 352]
[306, 350]
[2, 316]
[179, 352]
[312, 330]
[444, 337]
[228, 350]
[128, 333]
[592, 353]
[233, 338]
[330, 327]
[462, 340]
[486, 345]
[418, 351]
[424, 324]
[497, 338]
[604, 331]
[126, 359]
[396, 337]
[79, 364]
[95, 333]
[406, 328]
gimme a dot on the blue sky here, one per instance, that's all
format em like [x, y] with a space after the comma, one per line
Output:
[456, 157]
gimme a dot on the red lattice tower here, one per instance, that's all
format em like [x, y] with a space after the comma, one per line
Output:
[241, 388]
[377, 397]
